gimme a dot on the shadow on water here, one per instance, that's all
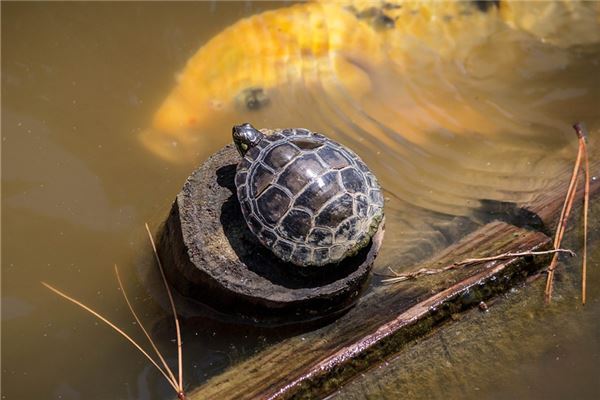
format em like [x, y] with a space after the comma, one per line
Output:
[511, 213]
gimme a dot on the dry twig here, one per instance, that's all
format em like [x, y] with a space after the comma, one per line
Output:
[425, 271]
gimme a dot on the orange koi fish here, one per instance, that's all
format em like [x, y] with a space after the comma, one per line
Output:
[335, 46]
[235, 70]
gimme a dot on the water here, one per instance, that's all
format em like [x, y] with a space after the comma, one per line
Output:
[443, 123]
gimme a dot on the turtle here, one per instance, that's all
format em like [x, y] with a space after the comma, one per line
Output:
[309, 199]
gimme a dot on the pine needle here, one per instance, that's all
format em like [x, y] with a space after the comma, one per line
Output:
[586, 201]
[169, 376]
[164, 278]
[113, 326]
[166, 366]
[564, 215]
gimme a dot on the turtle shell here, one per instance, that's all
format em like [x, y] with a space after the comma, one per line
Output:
[309, 199]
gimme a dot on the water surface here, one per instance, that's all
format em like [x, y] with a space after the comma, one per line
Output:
[81, 83]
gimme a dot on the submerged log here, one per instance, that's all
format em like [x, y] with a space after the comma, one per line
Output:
[212, 256]
[389, 316]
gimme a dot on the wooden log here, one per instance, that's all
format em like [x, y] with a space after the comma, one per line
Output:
[383, 320]
[387, 317]
[211, 256]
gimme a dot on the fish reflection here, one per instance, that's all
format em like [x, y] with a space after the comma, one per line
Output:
[338, 50]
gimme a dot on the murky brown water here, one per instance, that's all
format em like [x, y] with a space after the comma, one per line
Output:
[445, 117]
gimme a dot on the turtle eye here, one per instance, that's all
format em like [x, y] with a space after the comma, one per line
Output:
[252, 99]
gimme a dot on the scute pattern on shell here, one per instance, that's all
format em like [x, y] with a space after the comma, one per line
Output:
[309, 199]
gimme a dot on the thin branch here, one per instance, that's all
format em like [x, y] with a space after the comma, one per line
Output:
[142, 327]
[512, 255]
[424, 271]
[164, 278]
[113, 326]
[397, 277]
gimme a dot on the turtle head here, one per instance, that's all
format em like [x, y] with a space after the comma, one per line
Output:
[245, 137]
